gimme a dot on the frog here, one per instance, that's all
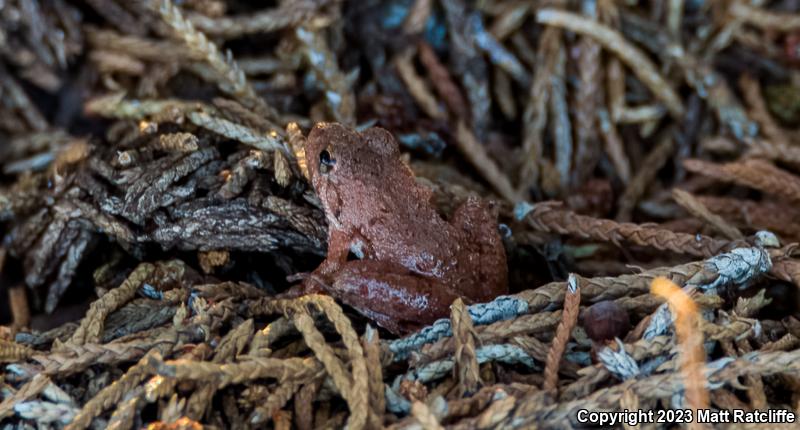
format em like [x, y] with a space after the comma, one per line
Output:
[391, 255]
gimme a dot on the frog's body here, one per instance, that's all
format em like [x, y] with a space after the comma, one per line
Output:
[413, 263]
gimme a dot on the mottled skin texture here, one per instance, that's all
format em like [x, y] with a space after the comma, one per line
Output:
[412, 263]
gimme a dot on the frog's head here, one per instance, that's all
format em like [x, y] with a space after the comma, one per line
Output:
[340, 156]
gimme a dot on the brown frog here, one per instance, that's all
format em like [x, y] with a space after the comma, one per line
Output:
[412, 263]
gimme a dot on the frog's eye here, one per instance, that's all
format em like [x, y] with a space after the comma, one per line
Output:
[326, 162]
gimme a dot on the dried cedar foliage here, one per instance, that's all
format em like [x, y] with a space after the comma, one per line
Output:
[153, 203]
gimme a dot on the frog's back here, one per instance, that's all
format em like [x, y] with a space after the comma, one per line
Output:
[407, 229]
[465, 252]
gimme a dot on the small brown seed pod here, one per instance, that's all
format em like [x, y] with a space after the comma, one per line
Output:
[606, 320]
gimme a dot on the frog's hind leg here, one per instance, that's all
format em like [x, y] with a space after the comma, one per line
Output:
[487, 255]
[391, 295]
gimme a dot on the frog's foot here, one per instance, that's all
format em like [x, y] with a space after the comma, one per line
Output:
[391, 295]
[311, 284]
[391, 324]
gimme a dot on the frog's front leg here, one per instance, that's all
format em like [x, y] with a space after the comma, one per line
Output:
[391, 295]
[323, 275]
[338, 247]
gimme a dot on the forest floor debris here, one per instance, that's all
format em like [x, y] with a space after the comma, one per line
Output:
[154, 203]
